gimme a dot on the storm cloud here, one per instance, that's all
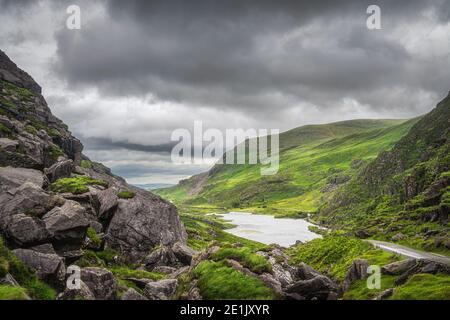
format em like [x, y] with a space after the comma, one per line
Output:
[139, 69]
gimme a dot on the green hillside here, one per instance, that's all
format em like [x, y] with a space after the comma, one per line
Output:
[404, 194]
[314, 161]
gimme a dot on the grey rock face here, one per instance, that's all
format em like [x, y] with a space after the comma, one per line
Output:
[107, 201]
[67, 222]
[101, 283]
[142, 223]
[398, 267]
[320, 287]
[83, 293]
[11, 178]
[24, 230]
[61, 169]
[305, 272]
[183, 253]
[132, 294]
[29, 199]
[357, 271]
[10, 72]
[161, 290]
[161, 257]
[49, 267]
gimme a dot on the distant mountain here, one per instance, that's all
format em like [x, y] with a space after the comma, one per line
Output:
[314, 161]
[153, 186]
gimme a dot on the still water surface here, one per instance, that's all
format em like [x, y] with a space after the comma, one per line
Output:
[266, 229]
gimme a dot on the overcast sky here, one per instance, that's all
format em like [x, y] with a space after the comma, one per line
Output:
[137, 70]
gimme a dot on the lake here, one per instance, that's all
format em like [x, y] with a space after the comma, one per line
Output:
[266, 229]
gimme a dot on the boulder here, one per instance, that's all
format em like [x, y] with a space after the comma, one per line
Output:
[49, 267]
[44, 248]
[132, 294]
[83, 293]
[25, 230]
[305, 272]
[107, 203]
[318, 288]
[398, 267]
[29, 199]
[142, 223]
[282, 275]
[183, 253]
[101, 283]
[357, 271]
[68, 225]
[61, 169]
[161, 290]
[14, 177]
[161, 257]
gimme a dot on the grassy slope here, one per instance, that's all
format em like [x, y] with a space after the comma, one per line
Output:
[403, 195]
[310, 157]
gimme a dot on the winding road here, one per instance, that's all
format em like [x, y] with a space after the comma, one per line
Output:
[408, 252]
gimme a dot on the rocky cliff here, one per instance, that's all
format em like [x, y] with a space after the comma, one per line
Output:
[55, 202]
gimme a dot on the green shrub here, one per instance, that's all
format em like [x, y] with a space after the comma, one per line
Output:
[4, 130]
[76, 185]
[86, 164]
[23, 93]
[334, 254]
[52, 132]
[12, 293]
[217, 281]
[31, 130]
[8, 104]
[125, 272]
[107, 257]
[93, 236]
[126, 194]
[246, 257]
[359, 291]
[54, 152]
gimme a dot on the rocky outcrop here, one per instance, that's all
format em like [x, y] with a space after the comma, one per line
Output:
[357, 271]
[100, 282]
[49, 267]
[132, 294]
[49, 226]
[183, 253]
[161, 290]
[11, 73]
[398, 267]
[317, 288]
[11, 178]
[142, 223]
[61, 169]
[83, 293]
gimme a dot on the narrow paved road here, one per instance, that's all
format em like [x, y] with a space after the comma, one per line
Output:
[408, 252]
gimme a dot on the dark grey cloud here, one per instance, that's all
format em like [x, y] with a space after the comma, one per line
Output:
[139, 69]
[109, 144]
[232, 54]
